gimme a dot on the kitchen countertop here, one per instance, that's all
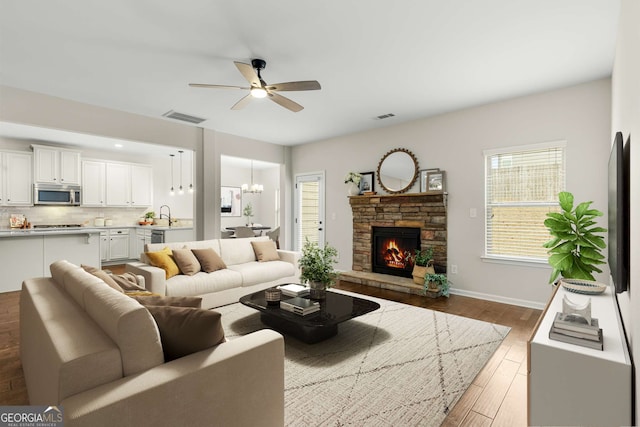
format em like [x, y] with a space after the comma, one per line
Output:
[17, 232]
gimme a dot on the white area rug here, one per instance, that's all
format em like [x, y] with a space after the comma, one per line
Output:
[397, 366]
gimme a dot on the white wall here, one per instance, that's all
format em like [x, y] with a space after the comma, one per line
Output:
[454, 142]
[626, 118]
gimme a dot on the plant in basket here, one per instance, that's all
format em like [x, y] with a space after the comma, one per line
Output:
[437, 283]
[422, 264]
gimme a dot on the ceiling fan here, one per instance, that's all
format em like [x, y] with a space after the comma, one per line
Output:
[260, 89]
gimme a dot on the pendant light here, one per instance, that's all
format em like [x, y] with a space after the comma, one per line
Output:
[254, 188]
[181, 192]
[172, 192]
[191, 180]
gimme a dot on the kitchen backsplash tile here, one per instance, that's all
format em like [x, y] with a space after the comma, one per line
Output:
[72, 215]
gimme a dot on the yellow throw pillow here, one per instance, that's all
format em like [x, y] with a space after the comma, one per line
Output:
[265, 250]
[164, 259]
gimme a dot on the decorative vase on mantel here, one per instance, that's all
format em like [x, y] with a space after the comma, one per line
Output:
[353, 189]
[317, 290]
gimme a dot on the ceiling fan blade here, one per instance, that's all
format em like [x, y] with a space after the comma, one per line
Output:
[291, 86]
[217, 86]
[285, 102]
[249, 73]
[242, 103]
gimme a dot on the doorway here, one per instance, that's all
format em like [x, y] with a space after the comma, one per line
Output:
[309, 209]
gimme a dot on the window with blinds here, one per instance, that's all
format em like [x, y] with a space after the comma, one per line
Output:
[522, 185]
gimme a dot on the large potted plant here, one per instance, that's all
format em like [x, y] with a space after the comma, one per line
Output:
[575, 248]
[316, 265]
[422, 264]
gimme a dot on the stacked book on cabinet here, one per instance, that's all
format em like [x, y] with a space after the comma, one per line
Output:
[576, 330]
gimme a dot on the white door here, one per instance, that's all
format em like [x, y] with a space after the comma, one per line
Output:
[309, 209]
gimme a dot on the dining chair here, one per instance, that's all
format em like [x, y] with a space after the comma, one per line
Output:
[275, 236]
[226, 234]
[244, 232]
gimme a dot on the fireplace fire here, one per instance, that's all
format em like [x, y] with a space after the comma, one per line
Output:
[392, 249]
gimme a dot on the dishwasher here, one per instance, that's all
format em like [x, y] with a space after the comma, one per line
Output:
[157, 236]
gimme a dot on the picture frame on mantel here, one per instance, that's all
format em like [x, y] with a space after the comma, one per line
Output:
[367, 182]
[423, 178]
[436, 181]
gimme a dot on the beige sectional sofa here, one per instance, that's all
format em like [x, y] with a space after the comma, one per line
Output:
[98, 353]
[243, 274]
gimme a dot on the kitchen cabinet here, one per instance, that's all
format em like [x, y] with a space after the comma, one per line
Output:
[129, 185]
[16, 179]
[143, 236]
[93, 183]
[114, 244]
[53, 165]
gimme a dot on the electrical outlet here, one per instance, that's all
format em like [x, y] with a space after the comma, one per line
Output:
[454, 269]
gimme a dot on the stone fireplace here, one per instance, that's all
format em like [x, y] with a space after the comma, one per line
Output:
[425, 212]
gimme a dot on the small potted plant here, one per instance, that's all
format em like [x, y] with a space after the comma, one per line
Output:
[352, 179]
[248, 212]
[575, 248]
[317, 268]
[148, 218]
[436, 283]
[422, 264]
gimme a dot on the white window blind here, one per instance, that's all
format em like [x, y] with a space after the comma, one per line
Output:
[522, 185]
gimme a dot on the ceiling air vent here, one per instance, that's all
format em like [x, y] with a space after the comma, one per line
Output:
[184, 117]
[385, 116]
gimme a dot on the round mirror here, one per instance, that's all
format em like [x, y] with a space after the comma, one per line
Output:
[398, 170]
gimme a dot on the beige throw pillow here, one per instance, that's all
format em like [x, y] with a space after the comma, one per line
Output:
[266, 250]
[195, 302]
[187, 261]
[101, 274]
[186, 330]
[127, 281]
[210, 261]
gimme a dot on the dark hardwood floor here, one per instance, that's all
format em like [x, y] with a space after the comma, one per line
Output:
[497, 397]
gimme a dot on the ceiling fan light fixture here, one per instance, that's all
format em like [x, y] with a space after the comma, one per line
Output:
[258, 92]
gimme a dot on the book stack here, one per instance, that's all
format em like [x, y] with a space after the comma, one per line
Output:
[575, 330]
[301, 306]
[293, 290]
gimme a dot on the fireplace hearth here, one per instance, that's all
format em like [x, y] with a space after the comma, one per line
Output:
[392, 249]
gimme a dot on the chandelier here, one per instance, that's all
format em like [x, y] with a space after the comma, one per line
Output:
[253, 188]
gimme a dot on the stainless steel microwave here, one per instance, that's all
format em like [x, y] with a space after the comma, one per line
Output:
[51, 194]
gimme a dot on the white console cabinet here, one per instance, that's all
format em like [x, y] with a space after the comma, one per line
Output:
[575, 385]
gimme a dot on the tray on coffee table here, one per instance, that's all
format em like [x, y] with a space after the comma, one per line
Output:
[311, 328]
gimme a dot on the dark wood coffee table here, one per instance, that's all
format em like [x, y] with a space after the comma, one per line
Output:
[314, 327]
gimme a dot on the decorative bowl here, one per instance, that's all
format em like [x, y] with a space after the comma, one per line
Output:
[581, 286]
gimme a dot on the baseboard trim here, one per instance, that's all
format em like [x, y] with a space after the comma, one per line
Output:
[497, 298]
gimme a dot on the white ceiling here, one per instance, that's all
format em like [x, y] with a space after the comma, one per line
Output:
[410, 58]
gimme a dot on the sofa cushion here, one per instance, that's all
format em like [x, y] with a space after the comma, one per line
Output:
[129, 281]
[75, 280]
[260, 272]
[195, 302]
[128, 324]
[265, 251]
[186, 261]
[103, 275]
[186, 330]
[238, 251]
[164, 260]
[203, 283]
[209, 260]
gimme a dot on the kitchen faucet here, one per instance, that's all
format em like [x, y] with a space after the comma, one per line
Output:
[168, 216]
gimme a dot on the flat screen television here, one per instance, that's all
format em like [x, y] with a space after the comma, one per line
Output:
[618, 244]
